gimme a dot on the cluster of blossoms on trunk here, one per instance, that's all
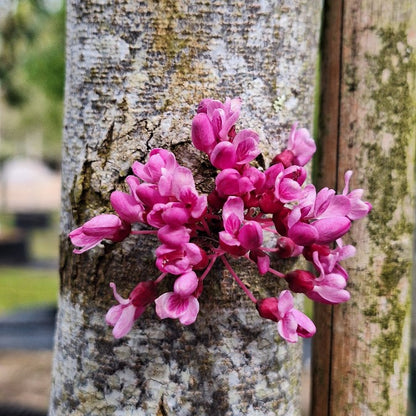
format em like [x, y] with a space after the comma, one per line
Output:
[196, 230]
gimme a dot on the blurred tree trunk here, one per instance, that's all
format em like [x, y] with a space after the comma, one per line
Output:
[135, 73]
[368, 124]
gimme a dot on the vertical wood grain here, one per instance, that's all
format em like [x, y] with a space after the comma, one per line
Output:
[368, 124]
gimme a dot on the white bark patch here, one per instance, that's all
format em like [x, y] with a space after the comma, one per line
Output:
[249, 367]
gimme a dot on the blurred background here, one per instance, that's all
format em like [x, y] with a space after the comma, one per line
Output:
[32, 42]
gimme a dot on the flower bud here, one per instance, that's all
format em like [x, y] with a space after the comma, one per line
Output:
[143, 294]
[309, 250]
[286, 247]
[267, 308]
[300, 281]
[285, 158]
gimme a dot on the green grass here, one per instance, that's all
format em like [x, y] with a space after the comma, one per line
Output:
[21, 287]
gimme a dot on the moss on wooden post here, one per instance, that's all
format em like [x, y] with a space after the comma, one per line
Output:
[371, 79]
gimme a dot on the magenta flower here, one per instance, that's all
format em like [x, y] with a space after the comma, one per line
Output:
[232, 182]
[173, 236]
[329, 258]
[172, 213]
[178, 260]
[302, 145]
[180, 304]
[194, 203]
[202, 134]
[318, 218]
[127, 207]
[300, 281]
[242, 150]
[150, 195]
[359, 208]
[288, 185]
[239, 236]
[123, 315]
[291, 323]
[328, 287]
[102, 227]
[222, 116]
[160, 162]
[224, 156]
[246, 145]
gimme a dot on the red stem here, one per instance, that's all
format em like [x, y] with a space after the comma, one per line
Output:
[238, 280]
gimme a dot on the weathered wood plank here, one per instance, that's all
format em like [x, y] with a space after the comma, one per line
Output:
[368, 124]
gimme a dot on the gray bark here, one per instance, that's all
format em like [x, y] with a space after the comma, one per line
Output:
[135, 73]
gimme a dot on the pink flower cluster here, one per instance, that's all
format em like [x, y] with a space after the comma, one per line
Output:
[196, 230]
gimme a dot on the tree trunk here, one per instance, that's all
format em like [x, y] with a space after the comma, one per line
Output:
[135, 73]
[368, 123]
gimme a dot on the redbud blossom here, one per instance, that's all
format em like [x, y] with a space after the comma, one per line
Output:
[244, 205]
[104, 226]
[123, 315]
[291, 323]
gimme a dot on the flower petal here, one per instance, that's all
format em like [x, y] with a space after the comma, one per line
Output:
[189, 316]
[125, 322]
[285, 303]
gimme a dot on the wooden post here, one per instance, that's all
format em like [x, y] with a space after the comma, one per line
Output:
[136, 71]
[368, 124]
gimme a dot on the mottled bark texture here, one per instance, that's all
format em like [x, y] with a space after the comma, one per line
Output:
[368, 124]
[135, 73]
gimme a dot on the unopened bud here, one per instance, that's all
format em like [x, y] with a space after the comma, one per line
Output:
[286, 247]
[144, 293]
[267, 308]
[300, 281]
[285, 158]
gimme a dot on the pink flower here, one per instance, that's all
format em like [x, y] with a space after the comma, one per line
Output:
[246, 145]
[202, 133]
[261, 259]
[231, 182]
[300, 281]
[328, 287]
[291, 323]
[173, 182]
[173, 214]
[243, 149]
[221, 116]
[287, 248]
[224, 156]
[319, 218]
[150, 195]
[195, 204]
[160, 162]
[127, 207]
[302, 145]
[104, 226]
[178, 260]
[239, 236]
[288, 184]
[173, 236]
[329, 258]
[359, 208]
[123, 315]
[330, 229]
[180, 304]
